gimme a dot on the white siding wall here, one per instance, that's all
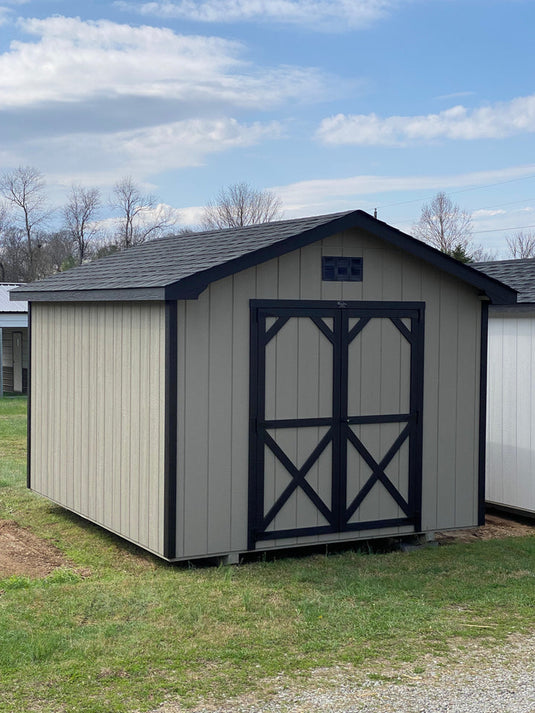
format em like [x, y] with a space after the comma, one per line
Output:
[98, 413]
[511, 411]
[17, 319]
[213, 391]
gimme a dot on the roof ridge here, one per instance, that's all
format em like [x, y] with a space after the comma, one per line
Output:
[251, 226]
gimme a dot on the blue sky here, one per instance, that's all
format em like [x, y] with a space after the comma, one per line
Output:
[333, 105]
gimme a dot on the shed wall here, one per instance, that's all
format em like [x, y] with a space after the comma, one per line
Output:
[213, 388]
[511, 411]
[97, 390]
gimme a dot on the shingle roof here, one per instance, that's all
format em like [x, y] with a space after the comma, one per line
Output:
[10, 306]
[181, 267]
[164, 261]
[518, 274]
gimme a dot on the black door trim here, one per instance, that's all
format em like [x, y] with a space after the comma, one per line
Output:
[339, 432]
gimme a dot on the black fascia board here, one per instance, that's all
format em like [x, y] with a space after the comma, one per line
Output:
[123, 294]
[497, 292]
[192, 286]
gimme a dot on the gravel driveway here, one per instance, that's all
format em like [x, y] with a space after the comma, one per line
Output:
[476, 679]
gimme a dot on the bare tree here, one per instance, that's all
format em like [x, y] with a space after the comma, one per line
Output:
[14, 256]
[480, 253]
[79, 215]
[241, 204]
[445, 226]
[3, 253]
[141, 217]
[521, 245]
[57, 253]
[24, 191]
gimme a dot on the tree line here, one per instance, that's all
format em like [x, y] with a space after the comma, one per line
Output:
[30, 250]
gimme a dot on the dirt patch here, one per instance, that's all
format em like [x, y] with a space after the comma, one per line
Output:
[495, 527]
[24, 554]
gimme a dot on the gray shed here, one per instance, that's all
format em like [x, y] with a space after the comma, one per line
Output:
[300, 382]
[511, 390]
[13, 342]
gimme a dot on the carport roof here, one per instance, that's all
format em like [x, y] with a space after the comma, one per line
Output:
[182, 266]
[7, 305]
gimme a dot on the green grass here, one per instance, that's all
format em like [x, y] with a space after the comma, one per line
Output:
[121, 631]
[12, 440]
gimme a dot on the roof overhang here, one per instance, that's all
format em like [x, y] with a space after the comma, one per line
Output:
[134, 294]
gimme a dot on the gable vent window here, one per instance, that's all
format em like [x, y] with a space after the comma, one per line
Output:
[341, 269]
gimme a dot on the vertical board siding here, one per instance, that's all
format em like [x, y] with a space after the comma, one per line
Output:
[447, 398]
[467, 431]
[511, 411]
[213, 370]
[98, 413]
[197, 421]
[9, 376]
[219, 453]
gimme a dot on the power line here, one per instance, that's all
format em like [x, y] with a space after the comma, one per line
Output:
[501, 230]
[490, 185]
[475, 188]
[460, 190]
[500, 205]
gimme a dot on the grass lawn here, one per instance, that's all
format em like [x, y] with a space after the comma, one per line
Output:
[133, 630]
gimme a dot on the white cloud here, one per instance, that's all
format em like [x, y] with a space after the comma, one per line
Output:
[365, 192]
[101, 158]
[5, 12]
[496, 121]
[487, 213]
[192, 215]
[455, 95]
[316, 14]
[73, 61]
[186, 143]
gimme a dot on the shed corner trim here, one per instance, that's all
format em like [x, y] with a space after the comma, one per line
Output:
[171, 424]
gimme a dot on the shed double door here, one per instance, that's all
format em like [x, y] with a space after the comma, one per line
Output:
[335, 417]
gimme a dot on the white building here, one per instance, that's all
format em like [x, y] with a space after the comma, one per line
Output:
[511, 390]
[13, 342]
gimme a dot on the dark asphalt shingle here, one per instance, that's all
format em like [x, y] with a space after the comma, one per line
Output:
[167, 260]
[518, 274]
